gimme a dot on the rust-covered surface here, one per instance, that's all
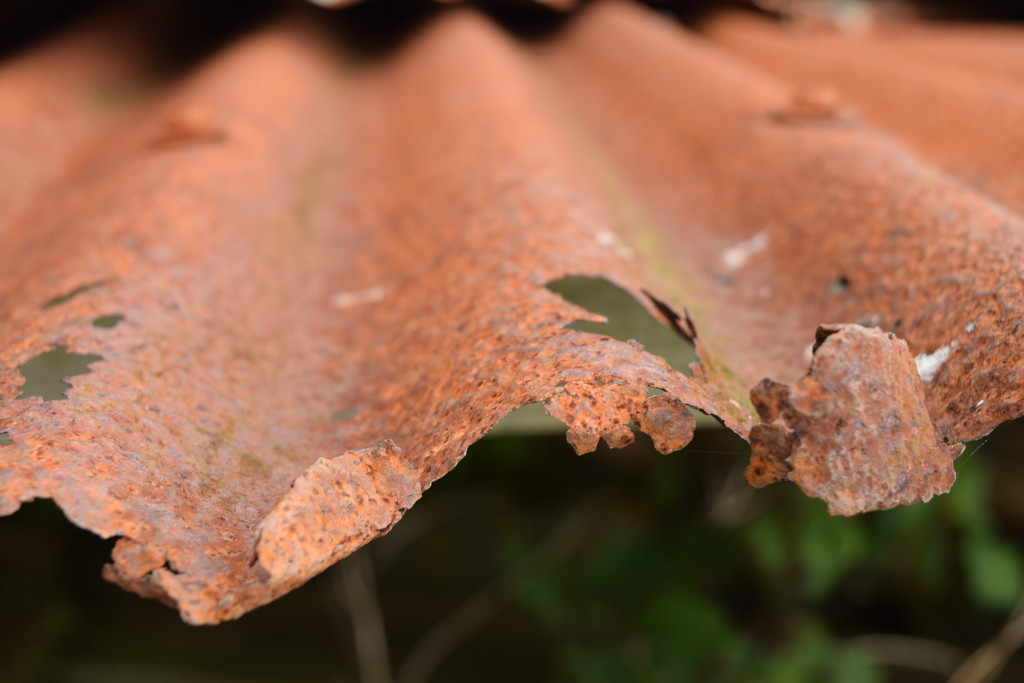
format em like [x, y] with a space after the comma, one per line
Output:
[306, 279]
[958, 104]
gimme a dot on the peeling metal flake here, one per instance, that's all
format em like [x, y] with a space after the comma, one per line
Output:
[855, 430]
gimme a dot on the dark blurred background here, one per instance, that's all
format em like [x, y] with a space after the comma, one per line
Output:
[530, 563]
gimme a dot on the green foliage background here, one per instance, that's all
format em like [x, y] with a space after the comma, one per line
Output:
[693, 577]
[618, 566]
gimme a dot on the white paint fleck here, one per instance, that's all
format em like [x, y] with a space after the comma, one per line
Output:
[609, 239]
[604, 235]
[358, 297]
[735, 403]
[929, 364]
[738, 254]
[969, 327]
[979, 403]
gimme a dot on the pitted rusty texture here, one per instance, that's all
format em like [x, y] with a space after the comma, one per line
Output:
[322, 280]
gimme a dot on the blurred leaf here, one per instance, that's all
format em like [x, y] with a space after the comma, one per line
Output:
[802, 661]
[899, 524]
[850, 665]
[816, 656]
[968, 501]
[686, 631]
[768, 542]
[931, 567]
[622, 571]
[545, 591]
[594, 663]
[666, 484]
[995, 573]
[914, 544]
[828, 548]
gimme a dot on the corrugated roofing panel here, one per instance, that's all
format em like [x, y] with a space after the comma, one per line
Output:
[304, 285]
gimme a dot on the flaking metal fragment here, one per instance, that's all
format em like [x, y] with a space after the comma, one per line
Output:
[855, 430]
[334, 507]
[667, 421]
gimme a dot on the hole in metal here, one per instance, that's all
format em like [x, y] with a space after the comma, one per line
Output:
[108, 321]
[839, 285]
[64, 298]
[46, 373]
[528, 419]
[627, 319]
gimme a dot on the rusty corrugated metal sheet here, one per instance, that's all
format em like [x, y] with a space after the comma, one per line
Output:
[306, 284]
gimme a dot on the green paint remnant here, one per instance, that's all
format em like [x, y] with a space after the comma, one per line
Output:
[5, 439]
[108, 321]
[57, 301]
[46, 374]
[344, 414]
